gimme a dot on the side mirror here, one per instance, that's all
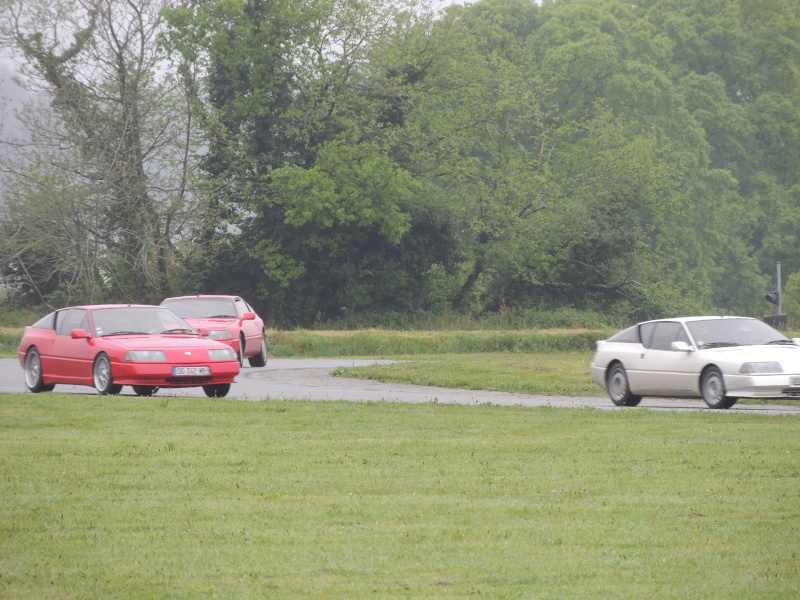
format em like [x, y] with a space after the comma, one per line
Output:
[249, 316]
[203, 331]
[79, 334]
[680, 347]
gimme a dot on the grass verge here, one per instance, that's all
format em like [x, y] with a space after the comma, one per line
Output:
[549, 373]
[9, 341]
[158, 497]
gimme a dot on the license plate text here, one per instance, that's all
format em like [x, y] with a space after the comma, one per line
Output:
[178, 371]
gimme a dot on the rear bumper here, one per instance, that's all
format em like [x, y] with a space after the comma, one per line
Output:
[598, 374]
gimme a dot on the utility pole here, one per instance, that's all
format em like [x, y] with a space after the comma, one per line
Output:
[778, 320]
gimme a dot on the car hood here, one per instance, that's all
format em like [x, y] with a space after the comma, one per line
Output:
[210, 323]
[786, 355]
[161, 342]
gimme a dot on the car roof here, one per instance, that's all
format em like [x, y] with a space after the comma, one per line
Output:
[690, 319]
[200, 296]
[96, 306]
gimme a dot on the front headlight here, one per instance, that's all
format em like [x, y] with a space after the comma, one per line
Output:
[146, 356]
[219, 334]
[761, 367]
[222, 354]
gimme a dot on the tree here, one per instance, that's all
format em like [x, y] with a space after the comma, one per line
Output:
[558, 202]
[321, 214]
[118, 132]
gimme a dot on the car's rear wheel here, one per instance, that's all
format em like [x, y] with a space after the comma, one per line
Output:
[712, 387]
[260, 359]
[145, 390]
[219, 390]
[103, 378]
[34, 375]
[618, 388]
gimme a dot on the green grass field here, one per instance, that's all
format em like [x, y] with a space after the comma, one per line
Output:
[174, 497]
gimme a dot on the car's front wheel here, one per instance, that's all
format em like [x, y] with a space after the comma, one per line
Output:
[219, 390]
[618, 388]
[34, 375]
[712, 387]
[103, 378]
[260, 359]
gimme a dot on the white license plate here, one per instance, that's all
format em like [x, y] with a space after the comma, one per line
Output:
[178, 371]
[795, 381]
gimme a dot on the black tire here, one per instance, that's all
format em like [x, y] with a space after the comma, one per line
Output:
[712, 387]
[240, 353]
[219, 390]
[260, 359]
[730, 402]
[618, 389]
[145, 390]
[34, 375]
[103, 377]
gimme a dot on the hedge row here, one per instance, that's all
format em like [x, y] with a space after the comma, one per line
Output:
[373, 342]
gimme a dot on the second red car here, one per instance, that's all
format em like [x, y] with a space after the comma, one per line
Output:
[228, 319]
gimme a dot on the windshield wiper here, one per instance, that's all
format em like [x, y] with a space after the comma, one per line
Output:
[179, 330]
[718, 344]
[221, 317]
[781, 342]
[125, 333]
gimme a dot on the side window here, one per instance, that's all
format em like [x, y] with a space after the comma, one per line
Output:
[73, 318]
[46, 322]
[241, 306]
[627, 336]
[665, 333]
[646, 331]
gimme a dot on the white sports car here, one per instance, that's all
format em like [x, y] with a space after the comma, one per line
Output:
[718, 359]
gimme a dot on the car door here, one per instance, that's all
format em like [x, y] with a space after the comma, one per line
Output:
[71, 360]
[662, 369]
[250, 328]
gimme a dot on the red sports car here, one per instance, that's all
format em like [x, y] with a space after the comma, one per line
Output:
[108, 346]
[228, 319]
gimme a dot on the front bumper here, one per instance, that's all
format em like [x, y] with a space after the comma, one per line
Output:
[160, 374]
[761, 386]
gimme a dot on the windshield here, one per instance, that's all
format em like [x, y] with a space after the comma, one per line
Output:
[138, 320]
[734, 332]
[202, 308]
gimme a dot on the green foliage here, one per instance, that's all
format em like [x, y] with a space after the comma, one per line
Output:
[790, 301]
[350, 185]
[20, 317]
[505, 318]
[358, 158]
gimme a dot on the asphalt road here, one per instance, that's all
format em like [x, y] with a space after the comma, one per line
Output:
[310, 379]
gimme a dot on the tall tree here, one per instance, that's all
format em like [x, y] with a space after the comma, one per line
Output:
[557, 201]
[321, 215]
[121, 125]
